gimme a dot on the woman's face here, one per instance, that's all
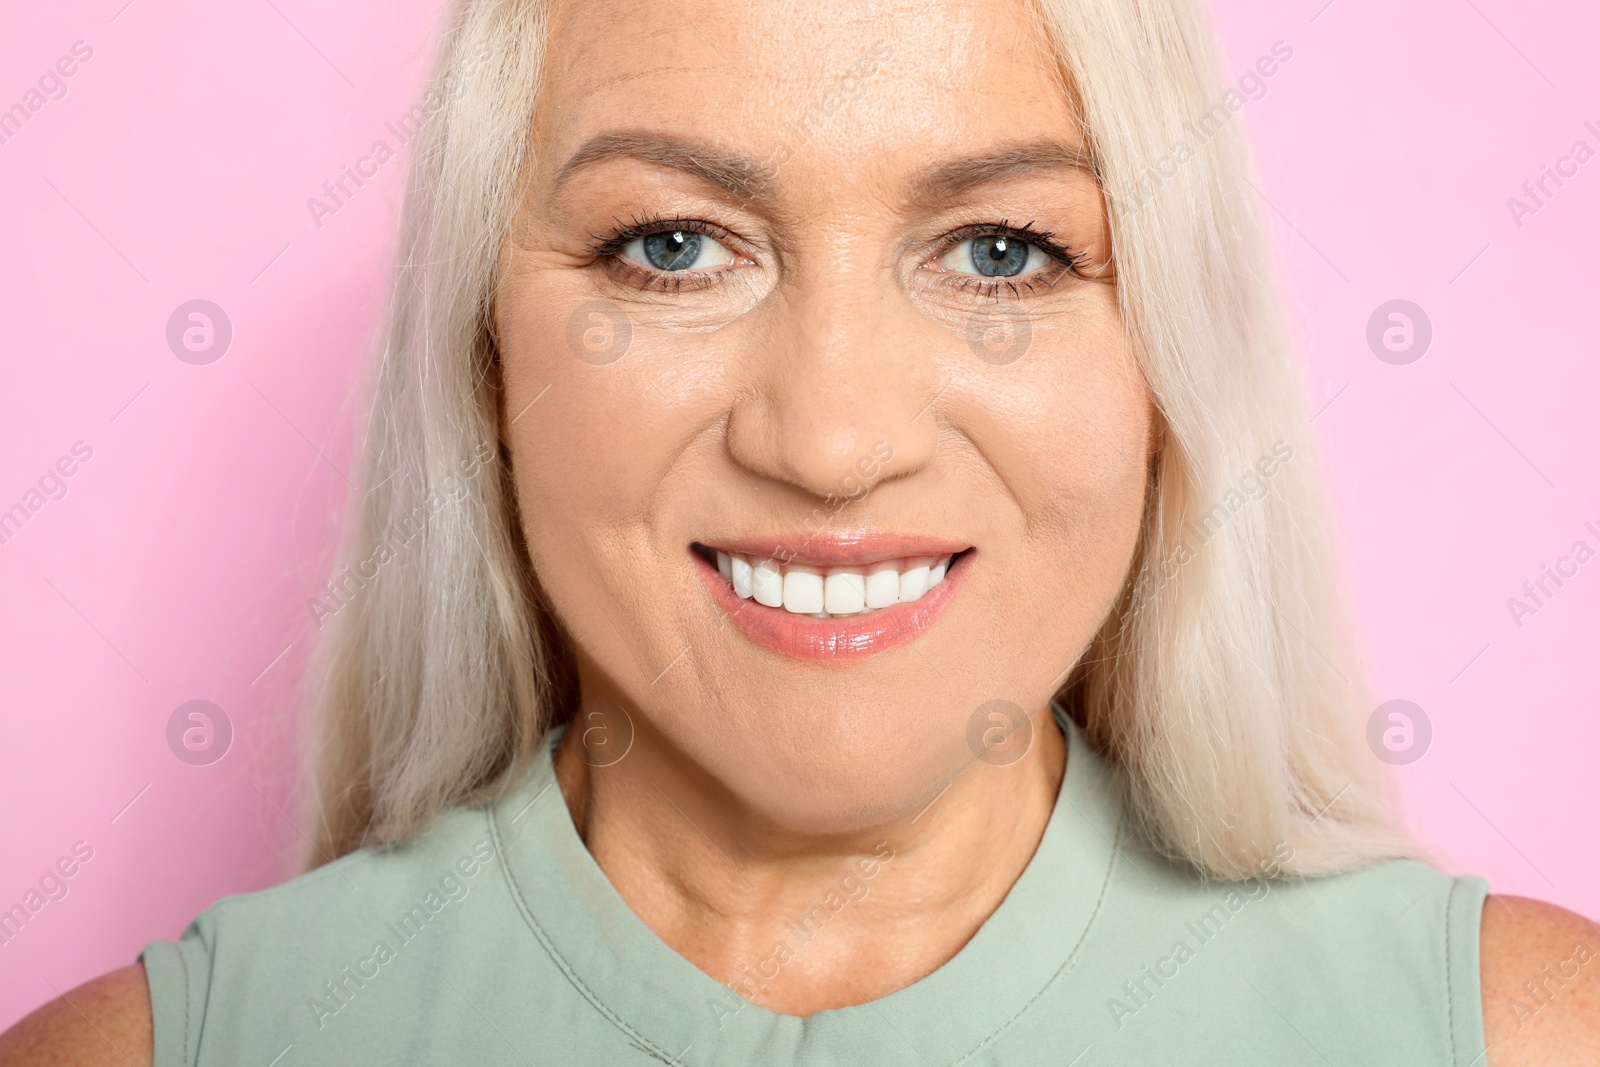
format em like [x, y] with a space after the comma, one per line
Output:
[825, 287]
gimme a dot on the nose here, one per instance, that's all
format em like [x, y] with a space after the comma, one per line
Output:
[838, 398]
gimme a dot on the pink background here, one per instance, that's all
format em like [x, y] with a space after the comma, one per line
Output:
[177, 566]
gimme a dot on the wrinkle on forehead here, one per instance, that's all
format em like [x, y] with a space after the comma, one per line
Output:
[771, 60]
[826, 98]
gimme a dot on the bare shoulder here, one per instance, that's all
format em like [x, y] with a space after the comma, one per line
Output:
[1541, 984]
[104, 1021]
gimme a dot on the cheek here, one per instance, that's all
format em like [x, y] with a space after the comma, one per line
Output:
[1068, 429]
[1092, 464]
[1067, 433]
[601, 450]
[587, 438]
[1094, 454]
[589, 443]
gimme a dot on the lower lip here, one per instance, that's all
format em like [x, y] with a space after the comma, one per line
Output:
[849, 637]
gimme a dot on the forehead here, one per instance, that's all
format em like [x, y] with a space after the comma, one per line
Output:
[891, 83]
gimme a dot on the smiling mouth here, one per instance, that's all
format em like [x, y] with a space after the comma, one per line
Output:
[828, 591]
[833, 597]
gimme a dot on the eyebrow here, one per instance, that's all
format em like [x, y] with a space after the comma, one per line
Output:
[732, 171]
[948, 180]
[747, 176]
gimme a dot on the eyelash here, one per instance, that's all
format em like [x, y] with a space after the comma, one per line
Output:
[1066, 260]
[608, 248]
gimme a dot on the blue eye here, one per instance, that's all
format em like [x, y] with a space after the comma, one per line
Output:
[673, 251]
[995, 255]
[998, 256]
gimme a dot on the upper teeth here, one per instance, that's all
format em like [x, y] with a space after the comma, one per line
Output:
[828, 592]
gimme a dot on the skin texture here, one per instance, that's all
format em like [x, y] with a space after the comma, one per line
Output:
[1558, 1022]
[106, 1021]
[751, 783]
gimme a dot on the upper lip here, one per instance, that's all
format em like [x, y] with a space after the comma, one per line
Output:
[857, 549]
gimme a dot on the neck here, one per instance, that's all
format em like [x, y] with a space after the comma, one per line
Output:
[799, 923]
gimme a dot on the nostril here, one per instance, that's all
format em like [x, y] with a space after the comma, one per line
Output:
[836, 428]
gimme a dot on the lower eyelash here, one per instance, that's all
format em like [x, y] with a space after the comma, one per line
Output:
[657, 280]
[1003, 288]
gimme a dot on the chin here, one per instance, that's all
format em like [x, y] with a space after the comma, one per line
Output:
[833, 768]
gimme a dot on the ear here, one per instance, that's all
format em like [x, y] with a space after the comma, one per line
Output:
[1156, 440]
[496, 373]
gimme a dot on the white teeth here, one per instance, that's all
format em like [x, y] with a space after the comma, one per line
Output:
[828, 594]
[766, 584]
[913, 583]
[741, 576]
[883, 587]
[844, 593]
[802, 590]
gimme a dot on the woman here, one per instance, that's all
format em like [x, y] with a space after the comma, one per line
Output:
[798, 439]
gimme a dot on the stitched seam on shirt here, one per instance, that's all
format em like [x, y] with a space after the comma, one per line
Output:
[1450, 972]
[561, 961]
[183, 961]
[1072, 957]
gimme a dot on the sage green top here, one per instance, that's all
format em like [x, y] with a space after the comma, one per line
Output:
[496, 939]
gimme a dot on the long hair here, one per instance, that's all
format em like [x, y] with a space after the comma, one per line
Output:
[1224, 684]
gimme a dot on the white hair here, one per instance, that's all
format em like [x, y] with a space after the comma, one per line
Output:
[1224, 683]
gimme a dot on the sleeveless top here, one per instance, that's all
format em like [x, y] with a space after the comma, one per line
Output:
[496, 939]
